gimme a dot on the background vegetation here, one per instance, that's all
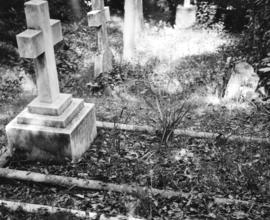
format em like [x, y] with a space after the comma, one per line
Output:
[174, 84]
[249, 16]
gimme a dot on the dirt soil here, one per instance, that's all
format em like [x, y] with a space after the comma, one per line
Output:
[206, 169]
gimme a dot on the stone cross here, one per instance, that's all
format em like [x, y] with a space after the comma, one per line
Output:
[98, 18]
[54, 125]
[37, 42]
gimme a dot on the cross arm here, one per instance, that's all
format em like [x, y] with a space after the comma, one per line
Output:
[56, 31]
[107, 13]
[31, 42]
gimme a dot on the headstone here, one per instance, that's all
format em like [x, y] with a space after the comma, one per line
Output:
[98, 18]
[54, 125]
[242, 82]
[139, 20]
[185, 15]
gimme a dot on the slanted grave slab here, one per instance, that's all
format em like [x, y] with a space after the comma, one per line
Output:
[54, 125]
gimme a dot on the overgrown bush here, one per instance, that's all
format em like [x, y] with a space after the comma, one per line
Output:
[206, 13]
[10, 85]
[12, 17]
[250, 16]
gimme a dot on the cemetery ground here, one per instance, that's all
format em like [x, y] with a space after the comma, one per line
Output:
[175, 70]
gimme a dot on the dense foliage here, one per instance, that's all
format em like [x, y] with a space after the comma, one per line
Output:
[12, 18]
[258, 27]
[250, 16]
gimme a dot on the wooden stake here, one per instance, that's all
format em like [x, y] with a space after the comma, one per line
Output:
[195, 134]
[86, 184]
[98, 185]
[35, 208]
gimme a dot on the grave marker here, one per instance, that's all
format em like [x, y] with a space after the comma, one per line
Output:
[54, 125]
[98, 18]
[185, 15]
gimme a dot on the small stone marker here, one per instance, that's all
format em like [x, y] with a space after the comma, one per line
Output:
[98, 18]
[185, 15]
[242, 83]
[54, 125]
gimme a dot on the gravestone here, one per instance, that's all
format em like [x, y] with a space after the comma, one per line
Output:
[185, 15]
[242, 83]
[54, 125]
[98, 18]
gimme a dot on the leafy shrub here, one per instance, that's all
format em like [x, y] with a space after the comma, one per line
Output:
[68, 11]
[171, 113]
[206, 13]
[10, 86]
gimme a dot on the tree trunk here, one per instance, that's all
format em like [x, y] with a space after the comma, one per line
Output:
[133, 25]
[139, 18]
[35, 208]
[129, 30]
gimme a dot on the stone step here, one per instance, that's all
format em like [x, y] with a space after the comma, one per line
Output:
[55, 109]
[61, 121]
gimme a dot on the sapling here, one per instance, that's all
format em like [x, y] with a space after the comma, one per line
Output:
[170, 114]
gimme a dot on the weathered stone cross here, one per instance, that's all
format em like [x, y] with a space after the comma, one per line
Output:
[37, 43]
[98, 18]
[54, 125]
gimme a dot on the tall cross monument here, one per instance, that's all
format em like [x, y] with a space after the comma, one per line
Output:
[98, 18]
[54, 125]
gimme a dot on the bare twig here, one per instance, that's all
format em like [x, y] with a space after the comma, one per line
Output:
[35, 208]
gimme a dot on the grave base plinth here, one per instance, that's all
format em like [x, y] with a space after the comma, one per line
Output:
[35, 141]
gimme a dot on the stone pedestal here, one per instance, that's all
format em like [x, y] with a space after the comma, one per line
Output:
[185, 16]
[53, 137]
